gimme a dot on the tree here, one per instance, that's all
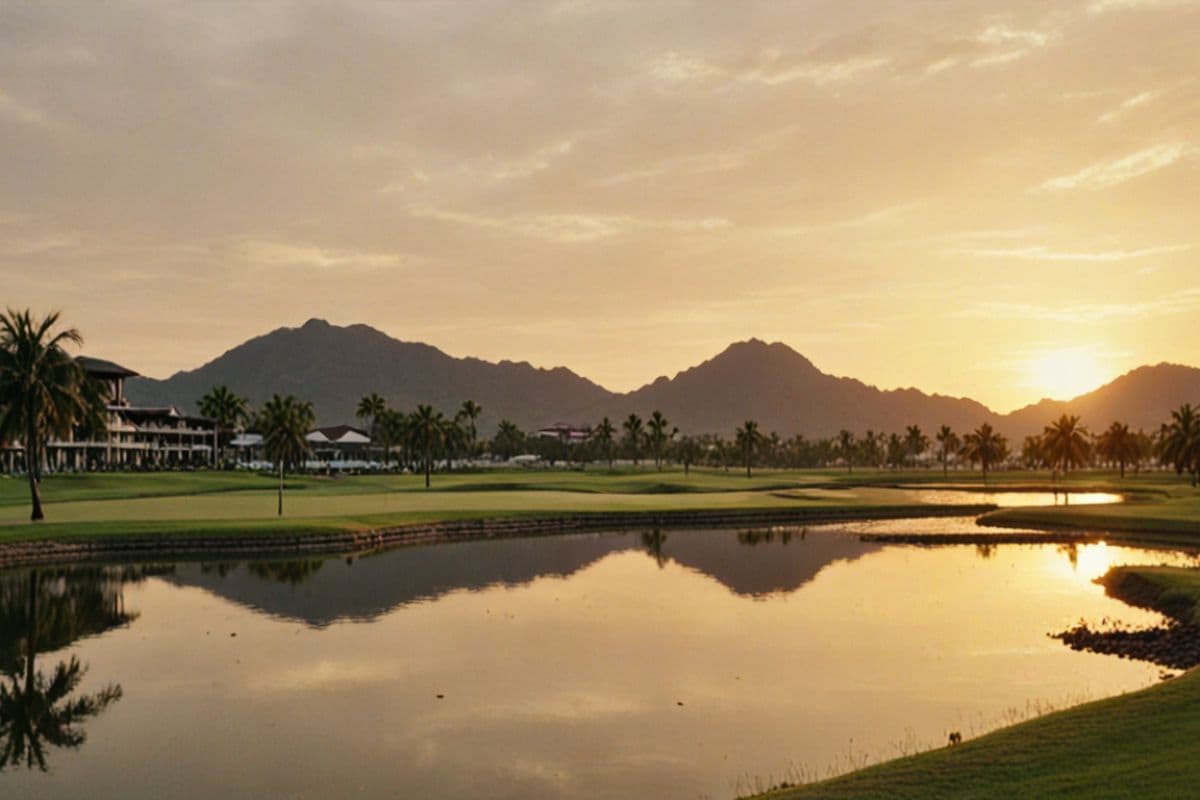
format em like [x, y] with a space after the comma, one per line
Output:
[1118, 445]
[948, 443]
[1065, 444]
[508, 440]
[371, 409]
[43, 390]
[748, 438]
[657, 436]
[985, 447]
[427, 429]
[285, 423]
[468, 415]
[897, 451]
[603, 435]
[226, 410]
[392, 426]
[846, 448]
[1033, 452]
[915, 442]
[634, 433]
[688, 451]
[1180, 442]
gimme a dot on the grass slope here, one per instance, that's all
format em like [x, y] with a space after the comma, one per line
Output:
[1139, 745]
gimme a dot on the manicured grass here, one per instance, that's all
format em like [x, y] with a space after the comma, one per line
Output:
[1140, 745]
[1172, 590]
[1163, 506]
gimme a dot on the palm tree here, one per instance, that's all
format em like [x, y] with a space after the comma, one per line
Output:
[985, 447]
[633, 436]
[508, 440]
[226, 410]
[1065, 444]
[603, 435]
[391, 429]
[748, 438]
[468, 414]
[43, 390]
[427, 429]
[285, 423]
[1118, 445]
[1033, 452]
[657, 437]
[371, 408]
[948, 443]
[915, 442]
[1180, 442]
[454, 439]
[846, 448]
[688, 451]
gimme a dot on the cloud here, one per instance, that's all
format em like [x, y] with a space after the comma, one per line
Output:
[1126, 105]
[1105, 6]
[274, 254]
[22, 113]
[1112, 173]
[1043, 253]
[569, 228]
[1182, 302]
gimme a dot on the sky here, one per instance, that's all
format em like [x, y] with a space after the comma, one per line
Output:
[996, 200]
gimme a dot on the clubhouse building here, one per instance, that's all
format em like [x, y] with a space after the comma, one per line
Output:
[135, 437]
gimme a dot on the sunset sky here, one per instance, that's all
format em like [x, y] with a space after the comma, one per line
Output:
[999, 200]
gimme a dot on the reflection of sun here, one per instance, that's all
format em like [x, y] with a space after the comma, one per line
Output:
[1064, 373]
[1082, 563]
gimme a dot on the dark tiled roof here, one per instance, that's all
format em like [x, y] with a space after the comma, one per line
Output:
[98, 366]
[335, 432]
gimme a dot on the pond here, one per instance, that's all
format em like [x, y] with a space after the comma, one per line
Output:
[677, 664]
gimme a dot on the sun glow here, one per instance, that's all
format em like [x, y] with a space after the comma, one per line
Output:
[1065, 373]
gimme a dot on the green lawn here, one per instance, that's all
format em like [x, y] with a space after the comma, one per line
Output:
[1139, 745]
[1157, 505]
[108, 504]
[213, 503]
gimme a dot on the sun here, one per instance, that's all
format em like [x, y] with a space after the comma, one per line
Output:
[1065, 373]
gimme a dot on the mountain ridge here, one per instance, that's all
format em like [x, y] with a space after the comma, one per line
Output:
[333, 366]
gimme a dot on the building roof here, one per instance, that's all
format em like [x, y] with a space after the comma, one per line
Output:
[339, 434]
[105, 369]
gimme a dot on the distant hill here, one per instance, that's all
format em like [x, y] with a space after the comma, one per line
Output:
[1142, 398]
[783, 391]
[334, 366]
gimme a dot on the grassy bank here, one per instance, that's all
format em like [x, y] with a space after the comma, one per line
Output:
[1161, 506]
[1137, 745]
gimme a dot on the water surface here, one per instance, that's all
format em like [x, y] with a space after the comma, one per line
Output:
[681, 664]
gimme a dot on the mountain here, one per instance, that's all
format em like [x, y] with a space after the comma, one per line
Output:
[783, 391]
[334, 366]
[1142, 398]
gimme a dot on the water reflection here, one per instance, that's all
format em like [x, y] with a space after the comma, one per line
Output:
[576, 668]
[42, 611]
[323, 592]
[952, 497]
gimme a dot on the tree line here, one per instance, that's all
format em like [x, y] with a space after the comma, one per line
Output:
[46, 393]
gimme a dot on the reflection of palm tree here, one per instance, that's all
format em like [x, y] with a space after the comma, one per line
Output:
[39, 711]
[653, 541]
[44, 712]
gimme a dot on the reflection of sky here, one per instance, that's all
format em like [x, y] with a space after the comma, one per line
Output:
[569, 686]
[1012, 499]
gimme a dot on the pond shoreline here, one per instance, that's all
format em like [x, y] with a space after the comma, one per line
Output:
[151, 545]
